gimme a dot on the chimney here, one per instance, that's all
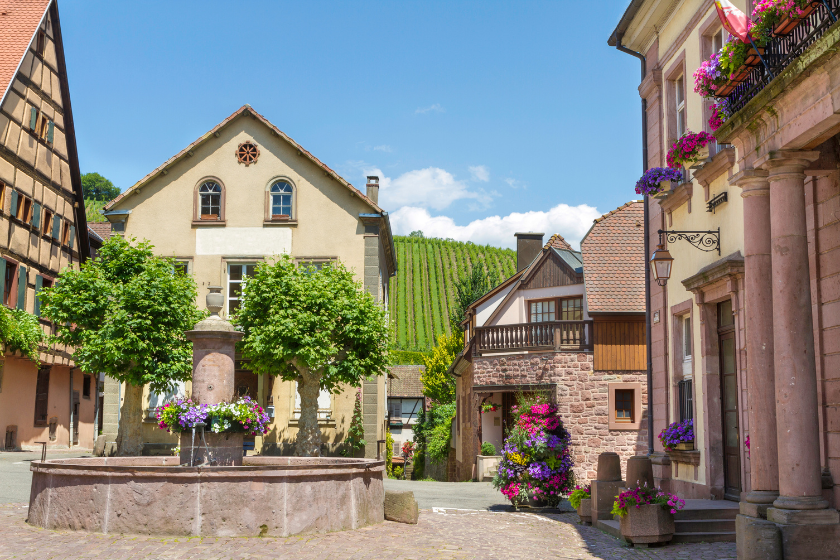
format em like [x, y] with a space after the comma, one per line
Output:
[373, 188]
[528, 246]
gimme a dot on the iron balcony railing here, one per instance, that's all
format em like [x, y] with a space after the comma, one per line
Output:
[782, 51]
[549, 335]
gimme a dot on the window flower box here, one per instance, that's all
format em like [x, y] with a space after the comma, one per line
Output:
[789, 20]
[685, 446]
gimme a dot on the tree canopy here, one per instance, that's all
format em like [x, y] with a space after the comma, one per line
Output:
[20, 332]
[97, 187]
[124, 313]
[316, 327]
[438, 385]
[470, 287]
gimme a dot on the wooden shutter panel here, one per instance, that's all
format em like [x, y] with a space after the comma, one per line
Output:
[2, 281]
[56, 226]
[36, 215]
[72, 237]
[33, 118]
[39, 283]
[50, 132]
[13, 209]
[42, 391]
[21, 295]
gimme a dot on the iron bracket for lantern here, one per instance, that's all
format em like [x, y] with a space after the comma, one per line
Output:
[704, 240]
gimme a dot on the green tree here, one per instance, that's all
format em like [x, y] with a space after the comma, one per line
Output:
[20, 332]
[417, 233]
[97, 187]
[316, 327]
[470, 287]
[124, 313]
[438, 385]
[356, 433]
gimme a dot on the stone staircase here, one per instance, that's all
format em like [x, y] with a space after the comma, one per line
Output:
[700, 521]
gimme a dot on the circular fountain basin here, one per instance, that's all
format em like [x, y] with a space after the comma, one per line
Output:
[270, 496]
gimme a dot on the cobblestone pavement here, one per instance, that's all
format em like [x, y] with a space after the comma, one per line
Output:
[441, 534]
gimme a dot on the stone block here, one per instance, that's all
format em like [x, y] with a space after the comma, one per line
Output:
[810, 542]
[803, 516]
[757, 539]
[647, 524]
[609, 467]
[640, 471]
[603, 496]
[401, 507]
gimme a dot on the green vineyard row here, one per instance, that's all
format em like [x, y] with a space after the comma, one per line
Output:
[423, 293]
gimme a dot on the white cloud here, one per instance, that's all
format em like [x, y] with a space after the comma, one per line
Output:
[479, 173]
[572, 222]
[435, 108]
[432, 187]
[514, 184]
[383, 148]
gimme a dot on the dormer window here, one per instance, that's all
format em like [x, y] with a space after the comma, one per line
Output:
[281, 201]
[210, 201]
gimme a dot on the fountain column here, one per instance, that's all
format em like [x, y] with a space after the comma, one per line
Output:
[214, 341]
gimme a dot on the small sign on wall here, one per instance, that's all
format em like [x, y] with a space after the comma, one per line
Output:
[656, 317]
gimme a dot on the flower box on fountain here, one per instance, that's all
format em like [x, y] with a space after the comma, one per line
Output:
[647, 514]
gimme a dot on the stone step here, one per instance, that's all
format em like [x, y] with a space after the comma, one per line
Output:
[703, 537]
[704, 525]
[705, 513]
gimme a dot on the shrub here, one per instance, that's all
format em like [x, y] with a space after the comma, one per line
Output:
[488, 448]
[580, 493]
[398, 472]
[433, 431]
[389, 453]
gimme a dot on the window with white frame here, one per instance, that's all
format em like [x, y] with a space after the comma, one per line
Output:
[686, 344]
[679, 92]
[237, 274]
[324, 405]
[281, 200]
[210, 201]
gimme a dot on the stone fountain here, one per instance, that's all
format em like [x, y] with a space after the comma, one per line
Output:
[226, 494]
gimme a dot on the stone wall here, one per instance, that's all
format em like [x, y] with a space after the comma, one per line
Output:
[581, 395]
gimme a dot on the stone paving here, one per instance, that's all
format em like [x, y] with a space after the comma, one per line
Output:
[441, 534]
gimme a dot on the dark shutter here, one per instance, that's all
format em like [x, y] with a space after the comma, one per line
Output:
[50, 132]
[56, 227]
[42, 392]
[72, 237]
[36, 215]
[39, 283]
[21, 295]
[33, 118]
[2, 281]
[13, 209]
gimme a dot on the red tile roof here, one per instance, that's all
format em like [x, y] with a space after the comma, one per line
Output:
[404, 381]
[558, 242]
[614, 261]
[102, 229]
[19, 20]
[246, 109]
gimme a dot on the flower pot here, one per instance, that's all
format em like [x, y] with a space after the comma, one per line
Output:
[787, 24]
[647, 524]
[584, 511]
[685, 446]
[753, 59]
[665, 188]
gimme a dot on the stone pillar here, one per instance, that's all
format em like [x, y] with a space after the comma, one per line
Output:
[214, 341]
[758, 305]
[606, 487]
[797, 424]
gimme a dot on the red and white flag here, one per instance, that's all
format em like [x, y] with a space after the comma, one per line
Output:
[734, 20]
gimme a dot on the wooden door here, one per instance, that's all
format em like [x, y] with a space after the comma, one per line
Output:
[729, 405]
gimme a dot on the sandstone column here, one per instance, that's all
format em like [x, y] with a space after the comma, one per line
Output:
[758, 304]
[797, 426]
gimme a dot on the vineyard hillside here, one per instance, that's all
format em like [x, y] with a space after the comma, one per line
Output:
[423, 291]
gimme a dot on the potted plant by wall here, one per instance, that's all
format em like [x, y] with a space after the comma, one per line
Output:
[489, 407]
[678, 435]
[536, 464]
[647, 514]
[688, 148]
[581, 500]
[654, 181]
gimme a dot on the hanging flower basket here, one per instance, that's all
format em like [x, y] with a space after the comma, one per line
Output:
[688, 148]
[656, 180]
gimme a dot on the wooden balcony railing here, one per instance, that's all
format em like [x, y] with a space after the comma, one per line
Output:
[550, 335]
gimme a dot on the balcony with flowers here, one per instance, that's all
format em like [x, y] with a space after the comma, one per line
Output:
[782, 40]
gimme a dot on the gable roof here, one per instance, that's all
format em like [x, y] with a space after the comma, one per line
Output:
[558, 242]
[19, 20]
[404, 381]
[246, 111]
[614, 261]
[102, 230]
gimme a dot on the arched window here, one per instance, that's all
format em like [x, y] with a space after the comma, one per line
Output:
[210, 201]
[281, 200]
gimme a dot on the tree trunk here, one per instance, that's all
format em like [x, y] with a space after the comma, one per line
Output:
[130, 434]
[308, 442]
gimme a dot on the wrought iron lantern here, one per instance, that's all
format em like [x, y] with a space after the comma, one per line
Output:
[660, 264]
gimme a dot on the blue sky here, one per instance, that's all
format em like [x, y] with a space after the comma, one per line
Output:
[483, 118]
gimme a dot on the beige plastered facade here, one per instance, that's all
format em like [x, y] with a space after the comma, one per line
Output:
[330, 220]
[42, 172]
[675, 38]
